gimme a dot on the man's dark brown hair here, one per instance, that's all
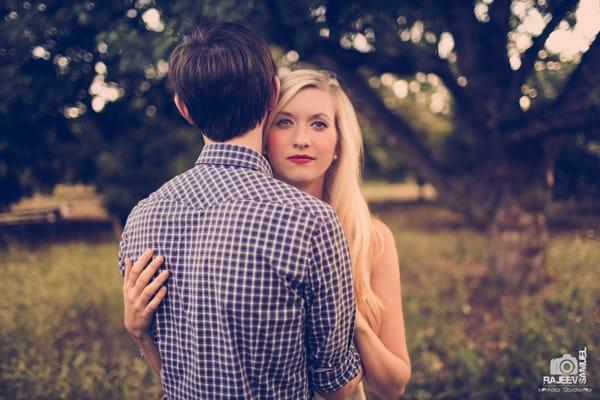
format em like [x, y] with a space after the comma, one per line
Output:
[225, 75]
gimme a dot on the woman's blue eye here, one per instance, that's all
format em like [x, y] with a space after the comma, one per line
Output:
[320, 125]
[283, 123]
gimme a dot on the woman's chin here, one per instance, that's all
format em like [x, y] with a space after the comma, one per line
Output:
[298, 180]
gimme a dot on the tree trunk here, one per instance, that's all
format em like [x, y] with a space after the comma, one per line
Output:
[518, 230]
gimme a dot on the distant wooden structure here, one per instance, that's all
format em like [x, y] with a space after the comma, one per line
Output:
[46, 224]
[32, 216]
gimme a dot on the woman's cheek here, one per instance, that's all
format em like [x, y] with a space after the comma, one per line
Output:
[328, 143]
[275, 146]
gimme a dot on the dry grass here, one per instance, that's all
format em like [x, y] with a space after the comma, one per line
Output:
[61, 333]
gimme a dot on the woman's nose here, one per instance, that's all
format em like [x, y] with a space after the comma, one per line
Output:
[301, 139]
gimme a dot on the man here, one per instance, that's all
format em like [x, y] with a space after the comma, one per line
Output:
[260, 302]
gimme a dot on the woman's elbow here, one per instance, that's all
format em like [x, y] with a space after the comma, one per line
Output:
[391, 390]
[396, 392]
[396, 388]
[400, 391]
[403, 385]
[387, 393]
[406, 372]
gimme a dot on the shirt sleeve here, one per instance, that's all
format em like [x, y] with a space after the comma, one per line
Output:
[125, 247]
[123, 251]
[333, 360]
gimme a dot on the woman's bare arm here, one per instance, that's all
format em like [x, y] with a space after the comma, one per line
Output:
[150, 351]
[141, 298]
[384, 354]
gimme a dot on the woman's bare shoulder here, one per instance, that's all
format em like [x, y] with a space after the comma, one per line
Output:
[388, 254]
[381, 228]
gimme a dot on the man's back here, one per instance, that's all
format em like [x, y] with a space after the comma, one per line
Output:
[259, 294]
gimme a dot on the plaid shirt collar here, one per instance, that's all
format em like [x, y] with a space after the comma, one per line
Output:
[235, 156]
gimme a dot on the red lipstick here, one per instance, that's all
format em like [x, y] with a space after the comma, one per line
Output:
[300, 158]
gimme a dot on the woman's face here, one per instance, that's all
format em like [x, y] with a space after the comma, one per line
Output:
[302, 140]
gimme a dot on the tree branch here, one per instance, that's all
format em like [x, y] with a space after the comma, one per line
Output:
[496, 29]
[280, 31]
[406, 64]
[571, 111]
[531, 54]
[550, 123]
[460, 192]
[583, 80]
[481, 57]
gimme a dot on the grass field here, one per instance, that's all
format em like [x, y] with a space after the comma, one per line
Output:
[61, 334]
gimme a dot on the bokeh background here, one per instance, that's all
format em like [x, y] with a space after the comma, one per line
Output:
[482, 131]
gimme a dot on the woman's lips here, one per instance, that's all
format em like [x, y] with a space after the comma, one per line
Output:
[300, 159]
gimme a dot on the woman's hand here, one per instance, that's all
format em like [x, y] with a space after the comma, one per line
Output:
[141, 297]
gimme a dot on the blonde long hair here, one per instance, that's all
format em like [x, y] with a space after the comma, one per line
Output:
[342, 184]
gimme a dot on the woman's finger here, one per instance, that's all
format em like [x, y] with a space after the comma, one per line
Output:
[148, 272]
[139, 265]
[153, 305]
[128, 265]
[151, 289]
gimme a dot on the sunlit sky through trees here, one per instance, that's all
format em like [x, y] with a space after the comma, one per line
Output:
[566, 44]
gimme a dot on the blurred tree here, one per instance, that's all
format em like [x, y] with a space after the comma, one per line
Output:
[577, 168]
[514, 94]
[474, 97]
[87, 101]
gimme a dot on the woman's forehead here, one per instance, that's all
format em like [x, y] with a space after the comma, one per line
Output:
[310, 102]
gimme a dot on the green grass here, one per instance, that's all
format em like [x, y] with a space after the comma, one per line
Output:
[61, 332]
[460, 348]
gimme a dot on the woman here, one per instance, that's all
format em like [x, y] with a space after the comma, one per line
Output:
[313, 141]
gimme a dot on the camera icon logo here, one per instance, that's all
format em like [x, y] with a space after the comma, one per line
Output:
[565, 365]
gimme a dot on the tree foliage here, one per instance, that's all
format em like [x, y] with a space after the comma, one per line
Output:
[471, 96]
[87, 102]
[433, 81]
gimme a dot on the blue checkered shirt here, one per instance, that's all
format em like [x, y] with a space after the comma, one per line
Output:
[260, 302]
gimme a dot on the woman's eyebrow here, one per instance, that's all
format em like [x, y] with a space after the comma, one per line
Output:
[321, 115]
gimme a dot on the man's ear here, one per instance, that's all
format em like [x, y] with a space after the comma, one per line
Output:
[276, 90]
[183, 110]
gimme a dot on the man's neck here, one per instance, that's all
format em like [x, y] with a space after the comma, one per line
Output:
[251, 139]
